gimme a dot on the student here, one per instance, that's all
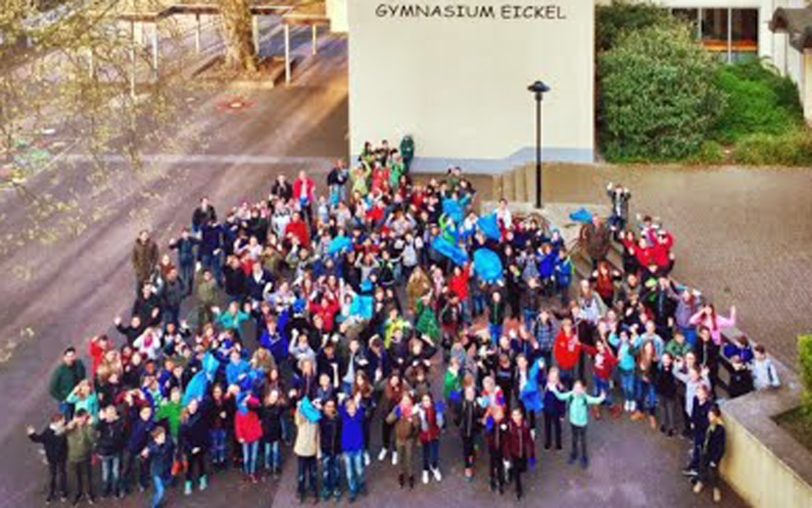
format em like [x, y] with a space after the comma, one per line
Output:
[55, 443]
[330, 440]
[520, 448]
[69, 373]
[764, 374]
[352, 444]
[554, 410]
[626, 367]
[109, 447]
[248, 432]
[665, 385]
[431, 423]
[567, 352]
[139, 436]
[468, 421]
[81, 439]
[194, 438]
[307, 448]
[497, 431]
[741, 379]
[161, 453]
[712, 453]
[405, 423]
[699, 426]
[578, 403]
[273, 412]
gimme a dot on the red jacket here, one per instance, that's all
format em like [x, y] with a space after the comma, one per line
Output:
[327, 312]
[459, 284]
[519, 443]
[429, 428]
[604, 364]
[661, 251]
[247, 426]
[304, 189]
[567, 350]
[96, 353]
[299, 230]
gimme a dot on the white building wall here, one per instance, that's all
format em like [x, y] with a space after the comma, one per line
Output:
[459, 86]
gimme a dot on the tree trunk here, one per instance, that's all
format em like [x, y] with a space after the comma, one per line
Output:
[238, 36]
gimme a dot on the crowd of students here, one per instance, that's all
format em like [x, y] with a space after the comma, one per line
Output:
[348, 312]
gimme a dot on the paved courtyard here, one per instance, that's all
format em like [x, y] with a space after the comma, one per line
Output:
[742, 235]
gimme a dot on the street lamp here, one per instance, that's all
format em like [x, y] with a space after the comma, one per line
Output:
[538, 88]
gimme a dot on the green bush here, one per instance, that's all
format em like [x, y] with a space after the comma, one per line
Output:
[793, 148]
[805, 363]
[758, 101]
[658, 97]
[710, 152]
[621, 16]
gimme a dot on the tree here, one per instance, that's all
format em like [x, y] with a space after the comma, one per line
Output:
[658, 95]
[238, 36]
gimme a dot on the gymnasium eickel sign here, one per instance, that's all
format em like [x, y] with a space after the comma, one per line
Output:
[454, 75]
[465, 11]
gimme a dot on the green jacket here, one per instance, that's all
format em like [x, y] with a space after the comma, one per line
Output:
[81, 441]
[452, 384]
[171, 412]
[578, 406]
[676, 349]
[64, 379]
[207, 292]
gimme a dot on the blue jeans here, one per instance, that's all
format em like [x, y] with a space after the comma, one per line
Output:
[218, 446]
[354, 464]
[602, 386]
[496, 333]
[479, 303]
[431, 455]
[273, 459]
[187, 274]
[212, 262]
[158, 496]
[647, 397]
[529, 318]
[111, 481]
[331, 474]
[249, 457]
[627, 384]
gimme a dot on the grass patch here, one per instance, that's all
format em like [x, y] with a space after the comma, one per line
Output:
[798, 422]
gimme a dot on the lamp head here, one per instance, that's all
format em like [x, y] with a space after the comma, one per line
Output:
[539, 88]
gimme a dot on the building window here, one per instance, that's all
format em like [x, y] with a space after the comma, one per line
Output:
[744, 34]
[731, 34]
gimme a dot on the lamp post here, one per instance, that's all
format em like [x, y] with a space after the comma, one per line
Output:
[538, 88]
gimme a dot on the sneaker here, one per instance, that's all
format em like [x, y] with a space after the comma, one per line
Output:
[717, 495]
[187, 488]
[689, 472]
[584, 462]
[533, 434]
[698, 487]
[670, 433]
[401, 480]
[394, 458]
[366, 459]
[425, 477]
[204, 482]
[411, 481]
[438, 477]
[382, 455]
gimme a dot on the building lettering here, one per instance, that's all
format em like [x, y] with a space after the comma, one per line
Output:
[460, 11]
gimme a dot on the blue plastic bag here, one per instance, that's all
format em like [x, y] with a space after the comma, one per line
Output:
[488, 266]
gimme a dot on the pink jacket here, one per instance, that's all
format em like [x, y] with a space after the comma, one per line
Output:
[701, 319]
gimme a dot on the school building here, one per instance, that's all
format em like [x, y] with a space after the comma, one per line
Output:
[454, 73]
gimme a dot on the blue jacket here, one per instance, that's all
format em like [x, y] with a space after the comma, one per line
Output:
[352, 431]
[563, 272]
[547, 264]
[161, 457]
[210, 239]
[139, 435]
[553, 406]
[277, 345]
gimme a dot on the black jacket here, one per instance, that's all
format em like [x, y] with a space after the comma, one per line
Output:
[741, 382]
[111, 438]
[715, 442]
[194, 432]
[56, 445]
[665, 383]
[330, 437]
[468, 419]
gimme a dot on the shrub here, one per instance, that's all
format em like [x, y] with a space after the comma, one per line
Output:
[805, 363]
[758, 101]
[710, 152]
[658, 96]
[793, 148]
[622, 16]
